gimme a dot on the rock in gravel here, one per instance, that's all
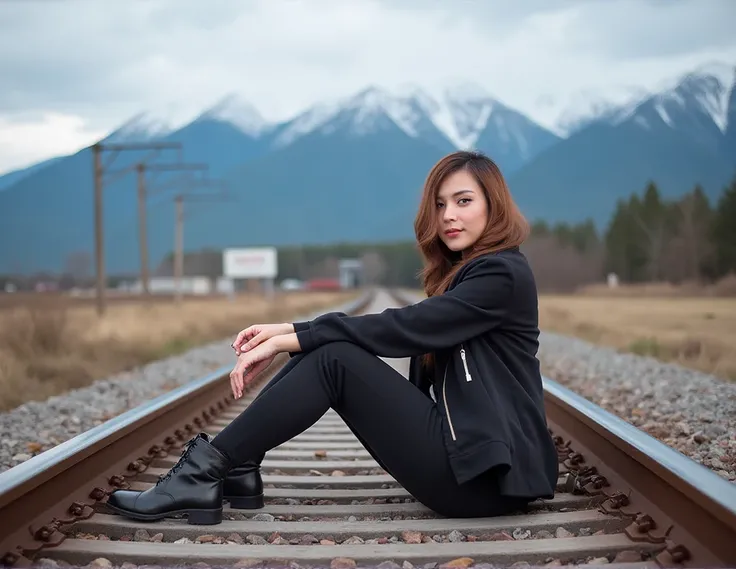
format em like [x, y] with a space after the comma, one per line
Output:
[459, 563]
[411, 536]
[520, 534]
[235, 538]
[37, 426]
[690, 411]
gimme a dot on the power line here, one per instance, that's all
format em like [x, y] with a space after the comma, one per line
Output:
[99, 170]
[142, 168]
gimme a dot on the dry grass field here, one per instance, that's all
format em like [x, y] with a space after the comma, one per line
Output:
[691, 325]
[696, 332]
[50, 344]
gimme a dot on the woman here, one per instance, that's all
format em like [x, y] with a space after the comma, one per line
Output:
[466, 435]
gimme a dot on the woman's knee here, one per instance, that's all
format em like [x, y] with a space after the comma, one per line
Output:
[342, 351]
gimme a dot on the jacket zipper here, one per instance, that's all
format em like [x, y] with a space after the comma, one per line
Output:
[468, 377]
[447, 409]
[465, 364]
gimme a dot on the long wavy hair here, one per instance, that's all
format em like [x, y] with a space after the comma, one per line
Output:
[505, 228]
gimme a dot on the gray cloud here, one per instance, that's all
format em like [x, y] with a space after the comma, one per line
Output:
[636, 30]
[614, 28]
[104, 61]
[72, 54]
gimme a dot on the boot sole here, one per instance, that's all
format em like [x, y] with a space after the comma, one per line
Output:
[245, 502]
[194, 517]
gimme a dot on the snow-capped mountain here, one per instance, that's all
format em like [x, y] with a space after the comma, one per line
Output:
[237, 111]
[328, 173]
[144, 126]
[464, 111]
[695, 106]
[586, 107]
[680, 135]
[368, 112]
[461, 117]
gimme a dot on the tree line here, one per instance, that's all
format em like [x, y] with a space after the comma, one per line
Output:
[684, 239]
[648, 238]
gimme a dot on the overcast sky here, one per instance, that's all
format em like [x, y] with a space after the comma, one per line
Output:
[72, 70]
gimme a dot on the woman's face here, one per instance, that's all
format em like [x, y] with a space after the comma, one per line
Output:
[462, 211]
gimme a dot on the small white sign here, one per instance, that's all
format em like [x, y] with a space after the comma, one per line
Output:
[251, 263]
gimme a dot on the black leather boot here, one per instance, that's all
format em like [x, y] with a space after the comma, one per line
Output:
[243, 487]
[192, 487]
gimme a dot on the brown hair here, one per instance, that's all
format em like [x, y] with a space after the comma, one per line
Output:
[506, 226]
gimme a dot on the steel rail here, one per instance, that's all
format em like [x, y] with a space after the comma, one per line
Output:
[638, 495]
[670, 499]
[52, 489]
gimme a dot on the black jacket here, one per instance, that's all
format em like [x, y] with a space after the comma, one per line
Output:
[484, 333]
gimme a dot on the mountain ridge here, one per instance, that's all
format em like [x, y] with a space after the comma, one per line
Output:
[335, 161]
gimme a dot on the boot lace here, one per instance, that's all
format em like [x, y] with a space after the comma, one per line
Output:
[179, 463]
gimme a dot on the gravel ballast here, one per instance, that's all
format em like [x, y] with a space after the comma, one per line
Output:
[693, 412]
[36, 426]
[690, 411]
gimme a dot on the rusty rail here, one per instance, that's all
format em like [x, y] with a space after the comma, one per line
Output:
[669, 499]
[62, 485]
[622, 497]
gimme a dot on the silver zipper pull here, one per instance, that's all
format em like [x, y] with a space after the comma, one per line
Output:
[465, 365]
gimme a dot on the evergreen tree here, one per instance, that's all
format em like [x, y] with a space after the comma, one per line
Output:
[540, 228]
[692, 218]
[623, 251]
[585, 237]
[723, 231]
[652, 219]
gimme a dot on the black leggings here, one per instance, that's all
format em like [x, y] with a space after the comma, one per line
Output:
[399, 426]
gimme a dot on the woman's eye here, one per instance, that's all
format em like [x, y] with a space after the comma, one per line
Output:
[462, 200]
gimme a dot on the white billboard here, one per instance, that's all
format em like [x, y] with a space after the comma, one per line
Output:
[250, 263]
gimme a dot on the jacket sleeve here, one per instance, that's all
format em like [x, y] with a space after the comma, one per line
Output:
[477, 304]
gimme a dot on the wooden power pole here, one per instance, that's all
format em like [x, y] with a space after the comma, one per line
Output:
[99, 170]
[179, 229]
[142, 224]
[178, 247]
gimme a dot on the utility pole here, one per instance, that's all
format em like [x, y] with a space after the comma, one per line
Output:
[178, 247]
[179, 230]
[98, 174]
[99, 242]
[142, 224]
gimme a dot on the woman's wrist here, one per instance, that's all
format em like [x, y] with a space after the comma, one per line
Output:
[288, 343]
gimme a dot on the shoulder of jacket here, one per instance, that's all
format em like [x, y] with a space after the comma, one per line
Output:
[489, 260]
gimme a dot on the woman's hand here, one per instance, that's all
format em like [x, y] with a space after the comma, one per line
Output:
[258, 333]
[250, 364]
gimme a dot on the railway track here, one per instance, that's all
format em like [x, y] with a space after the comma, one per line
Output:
[623, 498]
